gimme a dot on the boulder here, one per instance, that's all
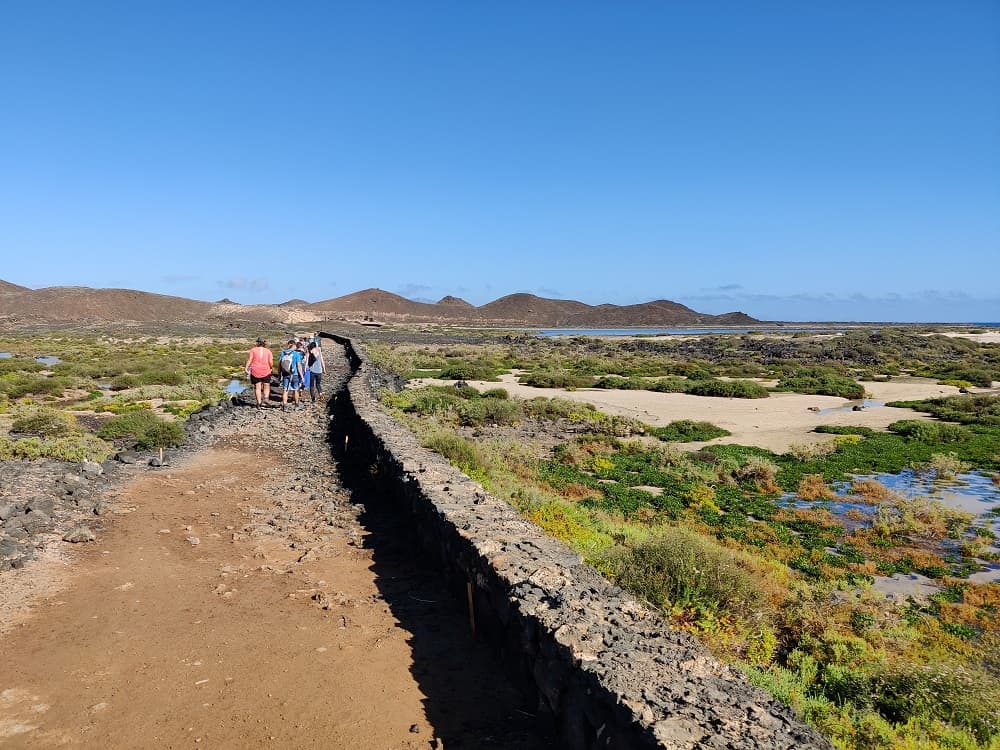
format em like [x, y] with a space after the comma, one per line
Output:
[78, 534]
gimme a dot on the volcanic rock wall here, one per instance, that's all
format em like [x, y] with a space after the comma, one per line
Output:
[608, 671]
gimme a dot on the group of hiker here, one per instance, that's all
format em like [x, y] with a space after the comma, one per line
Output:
[300, 367]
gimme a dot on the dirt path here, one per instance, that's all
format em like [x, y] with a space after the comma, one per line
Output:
[234, 600]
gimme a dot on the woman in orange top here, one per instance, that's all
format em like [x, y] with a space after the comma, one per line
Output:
[259, 364]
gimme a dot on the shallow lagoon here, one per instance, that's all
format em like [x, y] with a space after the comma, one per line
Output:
[970, 492]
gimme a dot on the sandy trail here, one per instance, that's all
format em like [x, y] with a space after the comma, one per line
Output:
[235, 601]
[776, 422]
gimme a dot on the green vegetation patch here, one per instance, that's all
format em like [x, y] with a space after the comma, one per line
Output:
[687, 431]
[145, 428]
[821, 381]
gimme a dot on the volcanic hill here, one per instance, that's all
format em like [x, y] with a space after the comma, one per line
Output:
[55, 304]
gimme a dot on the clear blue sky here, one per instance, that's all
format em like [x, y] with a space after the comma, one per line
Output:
[794, 160]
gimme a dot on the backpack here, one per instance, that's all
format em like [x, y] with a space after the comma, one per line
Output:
[287, 362]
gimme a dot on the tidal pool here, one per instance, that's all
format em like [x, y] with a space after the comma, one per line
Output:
[971, 492]
[867, 403]
[47, 360]
[235, 387]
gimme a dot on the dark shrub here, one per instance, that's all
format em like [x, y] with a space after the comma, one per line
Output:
[727, 388]
[686, 431]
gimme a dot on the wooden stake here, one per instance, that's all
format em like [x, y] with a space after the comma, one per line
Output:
[161, 455]
[472, 611]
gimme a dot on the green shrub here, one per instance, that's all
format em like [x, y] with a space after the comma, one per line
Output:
[45, 422]
[727, 388]
[616, 382]
[145, 428]
[956, 695]
[681, 568]
[163, 434]
[16, 385]
[468, 371]
[461, 452]
[686, 431]
[76, 447]
[556, 379]
[500, 393]
[930, 432]
[839, 429]
[821, 381]
[555, 408]
[490, 411]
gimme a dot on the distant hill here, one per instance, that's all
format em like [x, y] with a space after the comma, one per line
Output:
[59, 303]
[83, 303]
[455, 302]
[520, 309]
[6, 286]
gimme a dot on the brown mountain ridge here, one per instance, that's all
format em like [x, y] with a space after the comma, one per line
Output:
[521, 309]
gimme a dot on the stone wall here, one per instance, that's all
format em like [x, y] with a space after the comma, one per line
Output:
[609, 672]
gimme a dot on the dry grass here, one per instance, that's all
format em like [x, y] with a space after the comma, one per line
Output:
[871, 490]
[814, 487]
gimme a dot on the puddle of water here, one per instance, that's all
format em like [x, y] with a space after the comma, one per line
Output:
[47, 360]
[5, 355]
[867, 403]
[235, 387]
[970, 492]
[104, 386]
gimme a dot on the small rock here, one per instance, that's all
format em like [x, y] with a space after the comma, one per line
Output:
[126, 457]
[91, 469]
[193, 541]
[414, 729]
[79, 534]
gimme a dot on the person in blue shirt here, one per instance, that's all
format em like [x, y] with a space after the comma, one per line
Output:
[290, 368]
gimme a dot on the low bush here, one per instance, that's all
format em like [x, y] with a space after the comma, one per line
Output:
[946, 465]
[679, 568]
[821, 381]
[489, 411]
[19, 384]
[930, 432]
[556, 379]
[145, 428]
[45, 422]
[468, 371]
[76, 447]
[727, 388]
[555, 408]
[687, 431]
[461, 452]
[839, 429]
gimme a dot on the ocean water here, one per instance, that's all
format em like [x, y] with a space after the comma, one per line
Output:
[548, 332]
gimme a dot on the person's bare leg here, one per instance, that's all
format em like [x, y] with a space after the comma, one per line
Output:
[267, 393]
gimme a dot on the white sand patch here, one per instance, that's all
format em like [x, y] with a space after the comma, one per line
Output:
[990, 337]
[775, 423]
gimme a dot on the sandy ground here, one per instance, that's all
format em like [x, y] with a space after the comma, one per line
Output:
[775, 423]
[990, 337]
[214, 611]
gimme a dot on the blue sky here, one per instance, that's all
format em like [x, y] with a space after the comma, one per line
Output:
[798, 161]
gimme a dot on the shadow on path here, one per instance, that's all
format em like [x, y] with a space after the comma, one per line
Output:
[471, 702]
